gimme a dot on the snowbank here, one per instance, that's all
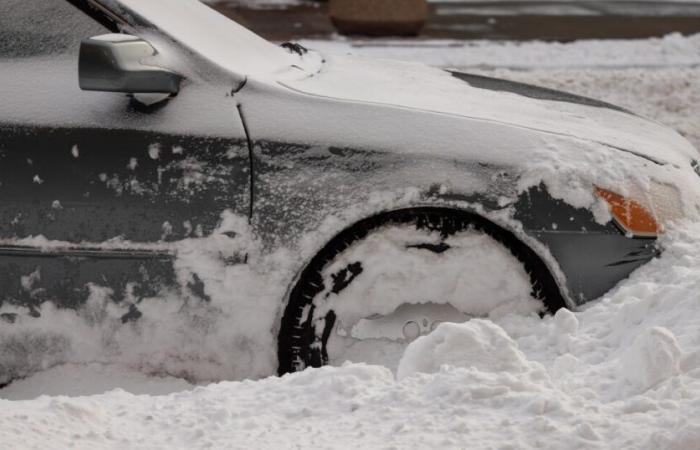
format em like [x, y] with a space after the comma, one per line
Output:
[623, 373]
[478, 344]
[91, 379]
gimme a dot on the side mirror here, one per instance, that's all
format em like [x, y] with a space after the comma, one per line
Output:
[117, 63]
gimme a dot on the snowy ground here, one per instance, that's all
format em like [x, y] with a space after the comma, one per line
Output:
[622, 373]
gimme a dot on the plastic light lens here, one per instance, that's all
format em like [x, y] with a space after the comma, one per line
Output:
[634, 218]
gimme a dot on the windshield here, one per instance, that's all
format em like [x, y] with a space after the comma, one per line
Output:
[209, 34]
[40, 28]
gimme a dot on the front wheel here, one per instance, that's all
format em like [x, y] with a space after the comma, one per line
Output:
[390, 279]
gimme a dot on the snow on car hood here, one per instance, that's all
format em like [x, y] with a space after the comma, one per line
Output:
[212, 36]
[416, 86]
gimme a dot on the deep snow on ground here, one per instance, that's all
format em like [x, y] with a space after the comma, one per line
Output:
[624, 372]
[89, 379]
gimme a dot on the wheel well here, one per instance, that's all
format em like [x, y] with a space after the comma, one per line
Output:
[447, 221]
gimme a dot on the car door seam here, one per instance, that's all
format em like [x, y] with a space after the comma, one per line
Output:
[251, 176]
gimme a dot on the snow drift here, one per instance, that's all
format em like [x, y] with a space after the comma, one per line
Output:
[623, 373]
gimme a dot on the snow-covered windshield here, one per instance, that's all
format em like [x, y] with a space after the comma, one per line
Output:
[30, 28]
[213, 36]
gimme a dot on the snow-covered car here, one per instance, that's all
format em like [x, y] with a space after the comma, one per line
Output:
[249, 208]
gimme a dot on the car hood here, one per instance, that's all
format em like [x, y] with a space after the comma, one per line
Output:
[415, 86]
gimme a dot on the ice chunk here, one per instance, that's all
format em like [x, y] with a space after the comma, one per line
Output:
[654, 356]
[479, 343]
[565, 321]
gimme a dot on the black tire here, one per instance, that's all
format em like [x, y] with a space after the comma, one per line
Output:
[298, 344]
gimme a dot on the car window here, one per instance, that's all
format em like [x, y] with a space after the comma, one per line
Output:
[40, 27]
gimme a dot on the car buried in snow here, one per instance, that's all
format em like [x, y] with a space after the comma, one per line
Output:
[179, 194]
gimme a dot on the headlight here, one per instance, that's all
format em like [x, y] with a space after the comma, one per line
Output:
[651, 209]
[631, 216]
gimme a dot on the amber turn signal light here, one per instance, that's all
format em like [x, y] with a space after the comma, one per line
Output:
[632, 217]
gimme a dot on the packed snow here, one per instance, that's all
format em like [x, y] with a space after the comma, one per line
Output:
[404, 284]
[623, 372]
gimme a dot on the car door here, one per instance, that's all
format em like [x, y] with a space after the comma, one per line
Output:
[96, 187]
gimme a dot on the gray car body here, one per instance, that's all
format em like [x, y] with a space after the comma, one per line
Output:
[122, 170]
[588, 257]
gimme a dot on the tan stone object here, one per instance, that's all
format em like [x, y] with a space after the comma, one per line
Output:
[378, 17]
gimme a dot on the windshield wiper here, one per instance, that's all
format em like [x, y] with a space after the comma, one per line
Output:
[106, 17]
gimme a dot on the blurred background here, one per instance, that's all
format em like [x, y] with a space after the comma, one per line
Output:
[465, 19]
